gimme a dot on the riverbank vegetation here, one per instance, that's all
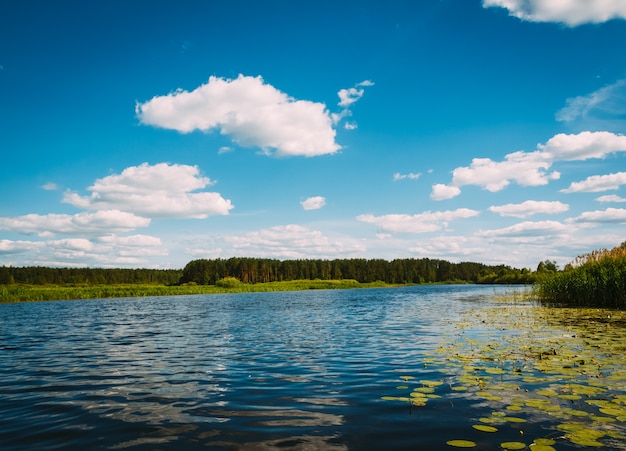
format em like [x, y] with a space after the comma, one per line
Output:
[597, 279]
[25, 293]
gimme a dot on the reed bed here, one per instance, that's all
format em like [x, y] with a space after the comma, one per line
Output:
[597, 279]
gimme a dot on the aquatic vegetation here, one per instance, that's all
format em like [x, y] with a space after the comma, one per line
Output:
[23, 293]
[595, 279]
[521, 364]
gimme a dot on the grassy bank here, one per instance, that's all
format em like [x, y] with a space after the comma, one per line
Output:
[26, 293]
[597, 279]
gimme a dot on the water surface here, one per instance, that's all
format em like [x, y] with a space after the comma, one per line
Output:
[295, 370]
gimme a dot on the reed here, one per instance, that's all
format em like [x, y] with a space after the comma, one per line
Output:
[597, 279]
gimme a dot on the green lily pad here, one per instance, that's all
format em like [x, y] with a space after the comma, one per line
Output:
[484, 428]
[512, 445]
[461, 443]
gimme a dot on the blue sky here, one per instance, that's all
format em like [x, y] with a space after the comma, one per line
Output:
[149, 134]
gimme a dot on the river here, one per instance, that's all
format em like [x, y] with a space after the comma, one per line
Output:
[327, 369]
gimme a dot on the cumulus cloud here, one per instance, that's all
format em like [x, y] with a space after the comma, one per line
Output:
[418, 223]
[86, 223]
[411, 176]
[609, 216]
[529, 208]
[442, 192]
[597, 183]
[568, 12]
[527, 169]
[531, 168]
[611, 198]
[582, 146]
[159, 191]
[292, 241]
[250, 111]
[313, 203]
[605, 104]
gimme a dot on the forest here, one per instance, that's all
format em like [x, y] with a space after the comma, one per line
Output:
[263, 270]
[399, 271]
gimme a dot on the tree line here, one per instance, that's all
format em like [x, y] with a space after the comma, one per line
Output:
[40, 275]
[259, 270]
[399, 271]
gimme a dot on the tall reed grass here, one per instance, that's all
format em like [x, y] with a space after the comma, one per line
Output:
[597, 279]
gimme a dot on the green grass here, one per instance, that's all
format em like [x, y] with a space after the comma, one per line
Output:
[25, 293]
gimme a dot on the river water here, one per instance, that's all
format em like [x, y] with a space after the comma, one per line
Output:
[294, 370]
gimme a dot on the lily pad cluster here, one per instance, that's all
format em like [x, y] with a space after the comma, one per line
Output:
[561, 368]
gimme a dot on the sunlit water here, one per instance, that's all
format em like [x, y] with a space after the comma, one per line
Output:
[296, 370]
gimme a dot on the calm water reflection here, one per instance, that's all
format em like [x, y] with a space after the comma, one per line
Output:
[300, 370]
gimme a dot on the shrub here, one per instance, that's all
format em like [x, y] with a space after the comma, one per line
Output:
[228, 282]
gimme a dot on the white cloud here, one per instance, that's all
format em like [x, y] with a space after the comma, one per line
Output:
[529, 208]
[582, 146]
[418, 223]
[162, 190]
[448, 247]
[609, 216]
[292, 241]
[528, 229]
[350, 95]
[442, 192]
[18, 247]
[531, 168]
[86, 223]
[611, 198]
[346, 98]
[527, 169]
[569, 12]
[50, 186]
[605, 104]
[313, 203]
[597, 183]
[252, 112]
[411, 176]
[224, 149]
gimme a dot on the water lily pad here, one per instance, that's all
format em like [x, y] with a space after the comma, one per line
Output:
[547, 392]
[544, 441]
[570, 397]
[428, 383]
[461, 443]
[512, 445]
[395, 398]
[424, 390]
[484, 428]
[513, 408]
[570, 427]
[514, 420]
